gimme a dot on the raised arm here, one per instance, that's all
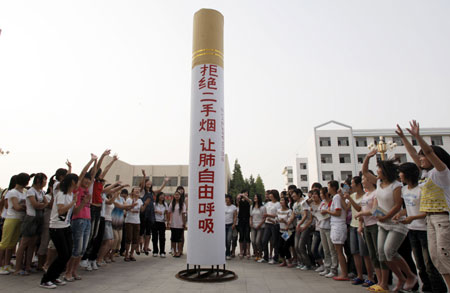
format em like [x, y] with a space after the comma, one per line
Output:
[85, 169]
[69, 166]
[142, 184]
[100, 162]
[426, 148]
[104, 172]
[365, 167]
[409, 147]
[162, 186]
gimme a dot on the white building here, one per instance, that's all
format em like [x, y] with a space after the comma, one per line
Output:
[288, 175]
[340, 149]
[301, 166]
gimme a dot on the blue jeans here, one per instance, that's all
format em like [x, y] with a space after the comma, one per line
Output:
[228, 238]
[81, 229]
[271, 232]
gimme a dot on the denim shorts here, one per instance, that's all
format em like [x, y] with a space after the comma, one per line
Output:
[81, 229]
[357, 244]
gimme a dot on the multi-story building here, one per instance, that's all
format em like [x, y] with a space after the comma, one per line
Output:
[301, 166]
[177, 174]
[339, 153]
[288, 175]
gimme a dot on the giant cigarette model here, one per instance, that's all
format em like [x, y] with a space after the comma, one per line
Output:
[206, 206]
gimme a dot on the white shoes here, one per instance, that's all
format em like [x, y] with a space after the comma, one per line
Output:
[262, 260]
[48, 285]
[324, 273]
[271, 262]
[94, 265]
[84, 263]
[320, 269]
[330, 275]
[163, 255]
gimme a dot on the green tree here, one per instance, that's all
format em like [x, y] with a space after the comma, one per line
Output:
[237, 183]
[259, 186]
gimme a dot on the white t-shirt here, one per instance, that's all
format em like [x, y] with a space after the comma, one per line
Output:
[411, 197]
[366, 204]
[162, 208]
[257, 216]
[441, 179]
[314, 211]
[57, 221]
[324, 223]
[336, 204]
[11, 213]
[385, 199]
[133, 214]
[38, 195]
[354, 196]
[284, 215]
[229, 213]
[272, 209]
[107, 208]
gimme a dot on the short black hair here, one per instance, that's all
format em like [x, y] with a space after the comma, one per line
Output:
[389, 169]
[357, 180]
[38, 178]
[292, 187]
[124, 191]
[22, 179]
[410, 171]
[67, 182]
[229, 196]
[316, 191]
[275, 194]
[440, 153]
[316, 185]
[334, 184]
[299, 192]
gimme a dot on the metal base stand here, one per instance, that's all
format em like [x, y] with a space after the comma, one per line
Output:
[206, 275]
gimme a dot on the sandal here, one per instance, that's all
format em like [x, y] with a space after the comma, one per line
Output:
[71, 279]
[22, 273]
[377, 288]
[126, 259]
[357, 281]
[132, 258]
[338, 278]
[78, 278]
[368, 283]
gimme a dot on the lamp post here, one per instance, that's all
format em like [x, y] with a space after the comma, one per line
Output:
[383, 147]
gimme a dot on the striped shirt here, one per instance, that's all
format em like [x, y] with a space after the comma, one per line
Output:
[435, 191]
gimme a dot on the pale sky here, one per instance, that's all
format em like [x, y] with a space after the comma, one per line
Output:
[81, 76]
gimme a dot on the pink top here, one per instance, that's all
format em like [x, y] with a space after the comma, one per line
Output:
[366, 204]
[85, 212]
[177, 217]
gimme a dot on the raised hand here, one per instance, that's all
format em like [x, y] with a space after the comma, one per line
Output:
[115, 157]
[143, 172]
[415, 128]
[94, 157]
[106, 153]
[399, 132]
[68, 163]
[372, 153]
[166, 179]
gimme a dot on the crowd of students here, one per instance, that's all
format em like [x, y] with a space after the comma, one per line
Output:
[79, 221]
[359, 230]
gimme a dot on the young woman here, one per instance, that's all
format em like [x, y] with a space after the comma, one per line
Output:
[159, 228]
[243, 203]
[358, 247]
[32, 224]
[81, 222]
[181, 191]
[390, 234]
[338, 233]
[316, 240]
[287, 232]
[132, 223]
[15, 214]
[109, 199]
[257, 225]
[330, 254]
[117, 220]
[272, 229]
[435, 163]
[230, 223]
[304, 228]
[177, 222]
[417, 225]
[60, 230]
[147, 216]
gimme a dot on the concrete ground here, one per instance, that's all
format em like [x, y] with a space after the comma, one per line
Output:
[155, 274]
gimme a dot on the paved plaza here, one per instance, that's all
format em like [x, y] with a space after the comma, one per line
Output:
[155, 274]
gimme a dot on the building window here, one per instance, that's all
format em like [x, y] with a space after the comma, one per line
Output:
[401, 157]
[346, 174]
[343, 141]
[304, 189]
[173, 181]
[436, 140]
[303, 166]
[289, 171]
[361, 158]
[290, 180]
[326, 159]
[137, 180]
[327, 176]
[303, 177]
[361, 142]
[414, 141]
[375, 140]
[325, 141]
[117, 177]
[344, 158]
[157, 180]
[184, 181]
[398, 141]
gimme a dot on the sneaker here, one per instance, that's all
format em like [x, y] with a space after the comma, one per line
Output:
[101, 264]
[271, 262]
[299, 267]
[84, 263]
[163, 255]
[4, 271]
[155, 254]
[330, 275]
[228, 257]
[48, 285]
[324, 273]
[88, 267]
[305, 268]
[262, 260]
[9, 268]
[320, 269]
[94, 265]
[59, 282]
